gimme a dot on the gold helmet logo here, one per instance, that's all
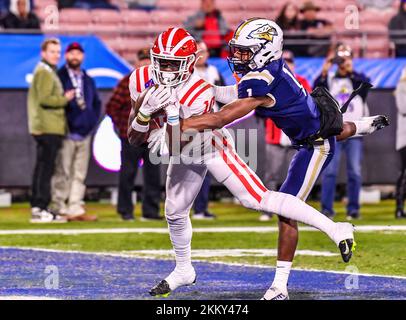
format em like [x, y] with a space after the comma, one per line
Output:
[265, 32]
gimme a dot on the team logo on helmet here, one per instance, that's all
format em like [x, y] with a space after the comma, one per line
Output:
[265, 32]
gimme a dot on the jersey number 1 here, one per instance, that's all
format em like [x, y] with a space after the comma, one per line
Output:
[294, 80]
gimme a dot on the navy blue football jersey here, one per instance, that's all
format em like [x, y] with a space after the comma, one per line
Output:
[294, 110]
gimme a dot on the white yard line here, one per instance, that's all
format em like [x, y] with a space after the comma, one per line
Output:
[26, 298]
[366, 228]
[216, 253]
[130, 256]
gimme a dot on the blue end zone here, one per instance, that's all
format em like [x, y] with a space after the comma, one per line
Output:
[89, 276]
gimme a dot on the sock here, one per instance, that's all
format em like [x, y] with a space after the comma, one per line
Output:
[180, 231]
[282, 275]
[364, 126]
[361, 127]
[290, 207]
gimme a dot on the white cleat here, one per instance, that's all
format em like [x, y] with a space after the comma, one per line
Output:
[368, 125]
[274, 293]
[175, 280]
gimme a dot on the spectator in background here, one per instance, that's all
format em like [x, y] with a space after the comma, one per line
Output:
[4, 7]
[376, 4]
[65, 4]
[398, 24]
[288, 20]
[211, 75]
[82, 112]
[316, 29]
[47, 124]
[400, 95]
[95, 4]
[278, 146]
[20, 16]
[141, 4]
[341, 84]
[209, 26]
[118, 108]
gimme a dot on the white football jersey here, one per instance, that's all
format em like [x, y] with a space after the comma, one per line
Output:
[196, 96]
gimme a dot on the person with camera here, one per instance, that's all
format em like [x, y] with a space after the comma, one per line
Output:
[341, 84]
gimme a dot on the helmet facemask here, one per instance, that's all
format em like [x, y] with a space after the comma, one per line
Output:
[171, 71]
[241, 58]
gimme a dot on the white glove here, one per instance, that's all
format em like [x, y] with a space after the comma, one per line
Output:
[172, 111]
[154, 100]
[156, 141]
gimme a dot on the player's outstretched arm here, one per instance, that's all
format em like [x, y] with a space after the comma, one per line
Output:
[226, 115]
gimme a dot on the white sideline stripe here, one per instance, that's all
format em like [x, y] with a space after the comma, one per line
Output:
[195, 230]
[26, 298]
[214, 253]
[126, 255]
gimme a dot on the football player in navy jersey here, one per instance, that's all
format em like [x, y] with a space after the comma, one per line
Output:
[312, 122]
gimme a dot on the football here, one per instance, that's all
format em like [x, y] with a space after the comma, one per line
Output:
[134, 137]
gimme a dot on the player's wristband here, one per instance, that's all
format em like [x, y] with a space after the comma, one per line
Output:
[139, 127]
[143, 117]
[172, 120]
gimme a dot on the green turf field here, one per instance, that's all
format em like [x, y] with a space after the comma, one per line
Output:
[382, 252]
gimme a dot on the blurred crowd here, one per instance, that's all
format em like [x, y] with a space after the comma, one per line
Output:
[306, 33]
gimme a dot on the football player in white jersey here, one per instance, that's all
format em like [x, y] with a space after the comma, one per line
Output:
[178, 90]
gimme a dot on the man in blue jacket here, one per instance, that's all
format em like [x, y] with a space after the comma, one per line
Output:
[83, 112]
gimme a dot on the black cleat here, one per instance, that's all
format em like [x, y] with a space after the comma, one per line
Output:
[347, 247]
[380, 122]
[161, 290]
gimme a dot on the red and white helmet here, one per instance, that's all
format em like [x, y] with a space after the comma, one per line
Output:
[173, 57]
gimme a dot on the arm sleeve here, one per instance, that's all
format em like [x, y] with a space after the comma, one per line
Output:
[133, 86]
[44, 82]
[226, 94]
